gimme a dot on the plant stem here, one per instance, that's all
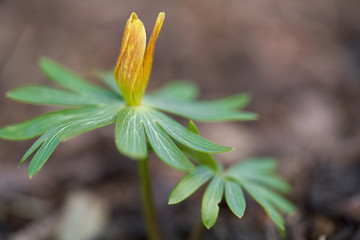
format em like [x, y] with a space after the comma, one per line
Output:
[147, 202]
[198, 231]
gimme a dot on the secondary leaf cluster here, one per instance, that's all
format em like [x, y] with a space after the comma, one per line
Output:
[256, 176]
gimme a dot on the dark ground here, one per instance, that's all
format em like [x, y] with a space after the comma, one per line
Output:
[300, 61]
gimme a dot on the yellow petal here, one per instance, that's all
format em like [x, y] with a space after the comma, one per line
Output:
[129, 65]
[125, 39]
[148, 59]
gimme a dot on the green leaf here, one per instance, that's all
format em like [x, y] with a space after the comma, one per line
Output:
[206, 111]
[43, 154]
[270, 180]
[193, 128]
[233, 102]
[100, 117]
[108, 78]
[39, 125]
[275, 199]
[260, 170]
[35, 146]
[49, 96]
[48, 141]
[130, 135]
[68, 79]
[163, 146]
[235, 198]
[189, 184]
[210, 202]
[258, 178]
[257, 193]
[254, 165]
[176, 90]
[201, 158]
[185, 136]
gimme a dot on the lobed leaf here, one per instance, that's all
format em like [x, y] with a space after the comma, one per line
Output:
[201, 158]
[259, 170]
[176, 90]
[43, 154]
[210, 202]
[163, 146]
[35, 146]
[185, 136]
[43, 95]
[39, 125]
[48, 141]
[253, 165]
[235, 198]
[108, 78]
[130, 135]
[193, 128]
[206, 111]
[257, 193]
[236, 101]
[270, 180]
[189, 184]
[101, 117]
[267, 179]
[274, 198]
[68, 79]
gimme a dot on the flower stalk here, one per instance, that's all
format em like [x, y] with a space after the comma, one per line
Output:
[150, 218]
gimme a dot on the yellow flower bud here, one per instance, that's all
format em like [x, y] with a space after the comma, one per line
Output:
[133, 68]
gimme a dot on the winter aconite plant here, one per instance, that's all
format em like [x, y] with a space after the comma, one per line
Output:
[141, 126]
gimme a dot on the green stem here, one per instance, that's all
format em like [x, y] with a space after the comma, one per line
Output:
[198, 231]
[147, 202]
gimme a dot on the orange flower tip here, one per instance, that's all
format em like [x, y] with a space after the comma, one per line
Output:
[161, 16]
[133, 16]
[159, 22]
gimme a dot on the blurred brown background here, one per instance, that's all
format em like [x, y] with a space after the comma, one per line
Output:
[300, 61]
